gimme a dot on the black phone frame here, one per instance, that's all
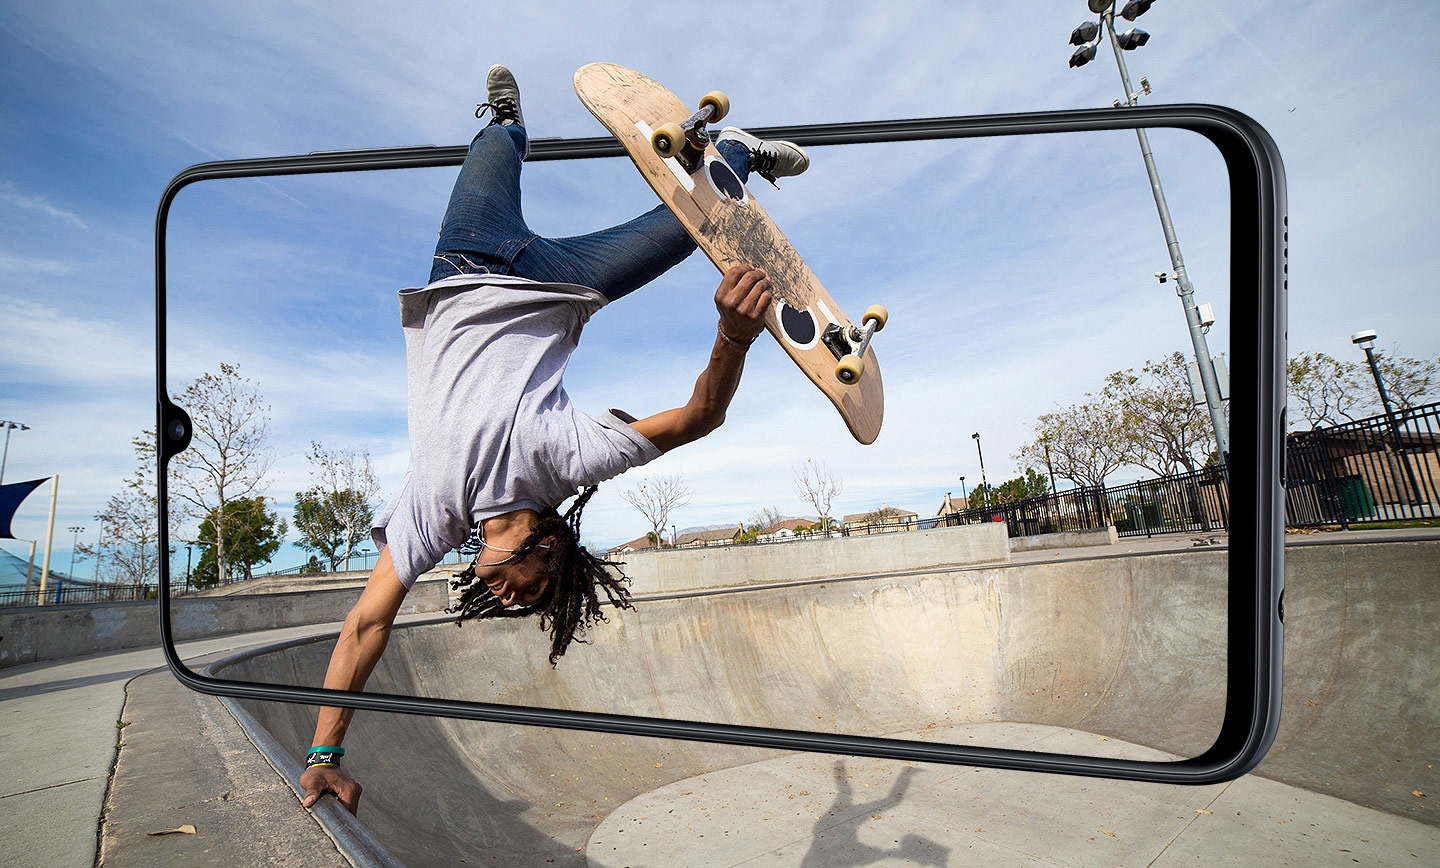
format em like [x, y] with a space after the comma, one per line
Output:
[1255, 621]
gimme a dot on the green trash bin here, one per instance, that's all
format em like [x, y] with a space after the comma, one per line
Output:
[1355, 497]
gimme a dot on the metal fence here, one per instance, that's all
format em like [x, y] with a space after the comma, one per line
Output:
[1196, 502]
[63, 594]
[1382, 469]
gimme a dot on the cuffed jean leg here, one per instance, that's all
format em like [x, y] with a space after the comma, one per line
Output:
[483, 225]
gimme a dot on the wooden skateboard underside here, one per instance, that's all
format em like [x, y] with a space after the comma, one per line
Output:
[731, 227]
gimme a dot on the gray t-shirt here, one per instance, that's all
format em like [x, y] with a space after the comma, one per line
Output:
[491, 428]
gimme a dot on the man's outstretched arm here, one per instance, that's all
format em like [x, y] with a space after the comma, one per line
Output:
[742, 299]
[362, 641]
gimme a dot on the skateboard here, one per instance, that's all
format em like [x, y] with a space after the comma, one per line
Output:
[671, 146]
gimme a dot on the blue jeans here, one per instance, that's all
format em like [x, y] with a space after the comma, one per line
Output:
[485, 231]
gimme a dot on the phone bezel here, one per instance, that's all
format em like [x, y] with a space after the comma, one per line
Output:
[1255, 629]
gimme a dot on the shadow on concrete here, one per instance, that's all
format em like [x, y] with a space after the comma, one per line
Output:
[838, 844]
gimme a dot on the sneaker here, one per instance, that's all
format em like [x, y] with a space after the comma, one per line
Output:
[770, 159]
[503, 96]
[503, 100]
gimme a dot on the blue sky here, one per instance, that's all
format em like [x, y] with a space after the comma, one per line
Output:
[1017, 273]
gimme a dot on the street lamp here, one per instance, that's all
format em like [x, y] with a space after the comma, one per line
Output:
[983, 481]
[1365, 340]
[5, 456]
[1087, 36]
[77, 530]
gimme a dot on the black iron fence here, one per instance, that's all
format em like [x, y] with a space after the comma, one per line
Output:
[1382, 469]
[64, 594]
[1196, 502]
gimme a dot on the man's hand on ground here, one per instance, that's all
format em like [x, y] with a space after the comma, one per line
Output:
[332, 779]
[742, 299]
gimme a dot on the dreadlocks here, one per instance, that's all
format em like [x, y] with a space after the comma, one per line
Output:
[570, 604]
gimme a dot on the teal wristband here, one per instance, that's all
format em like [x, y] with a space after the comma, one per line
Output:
[338, 751]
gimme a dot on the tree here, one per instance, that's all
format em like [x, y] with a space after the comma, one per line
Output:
[1161, 427]
[1085, 443]
[1324, 390]
[656, 497]
[818, 487]
[254, 533]
[227, 459]
[130, 523]
[1409, 381]
[336, 513]
[1027, 485]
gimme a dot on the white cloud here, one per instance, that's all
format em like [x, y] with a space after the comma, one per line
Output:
[10, 194]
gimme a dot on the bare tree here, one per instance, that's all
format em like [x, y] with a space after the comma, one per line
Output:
[130, 523]
[1161, 427]
[818, 487]
[227, 459]
[1083, 443]
[760, 521]
[655, 497]
[1409, 381]
[336, 513]
[1324, 390]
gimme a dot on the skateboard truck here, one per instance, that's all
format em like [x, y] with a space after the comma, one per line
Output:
[686, 140]
[849, 344]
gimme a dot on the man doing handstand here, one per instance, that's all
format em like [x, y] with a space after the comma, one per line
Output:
[495, 443]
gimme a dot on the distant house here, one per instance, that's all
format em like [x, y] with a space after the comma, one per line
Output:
[634, 545]
[781, 530]
[952, 506]
[700, 538]
[886, 519]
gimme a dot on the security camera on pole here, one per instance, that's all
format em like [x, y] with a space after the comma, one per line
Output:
[1087, 36]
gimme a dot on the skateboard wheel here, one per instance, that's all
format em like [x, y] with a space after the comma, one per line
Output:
[721, 103]
[877, 313]
[668, 140]
[850, 368]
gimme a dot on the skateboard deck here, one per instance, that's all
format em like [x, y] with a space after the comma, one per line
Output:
[731, 228]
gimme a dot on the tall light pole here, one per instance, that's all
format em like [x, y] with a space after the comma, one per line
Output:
[76, 530]
[5, 456]
[983, 480]
[1087, 36]
[1365, 340]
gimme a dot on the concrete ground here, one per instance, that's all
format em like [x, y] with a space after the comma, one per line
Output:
[183, 759]
[62, 722]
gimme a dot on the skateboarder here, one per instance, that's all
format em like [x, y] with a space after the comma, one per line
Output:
[494, 440]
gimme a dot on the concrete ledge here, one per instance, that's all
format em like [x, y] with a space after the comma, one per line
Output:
[182, 759]
[671, 570]
[38, 633]
[1068, 539]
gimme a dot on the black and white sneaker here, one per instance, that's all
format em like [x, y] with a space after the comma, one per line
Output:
[769, 159]
[502, 97]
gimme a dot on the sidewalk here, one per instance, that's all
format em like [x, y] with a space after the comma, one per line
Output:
[61, 723]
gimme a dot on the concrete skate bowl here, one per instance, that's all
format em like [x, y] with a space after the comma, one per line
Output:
[1108, 656]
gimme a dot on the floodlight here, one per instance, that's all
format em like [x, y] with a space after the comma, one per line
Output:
[1098, 6]
[1085, 33]
[1135, 8]
[1082, 56]
[1365, 339]
[1133, 38]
